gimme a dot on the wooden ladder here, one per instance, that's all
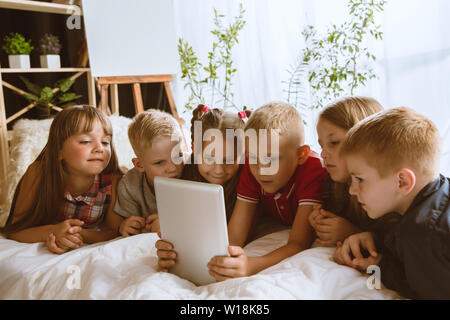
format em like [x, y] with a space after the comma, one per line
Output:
[135, 81]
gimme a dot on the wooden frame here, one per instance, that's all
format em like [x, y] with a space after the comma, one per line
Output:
[135, 81]
[35, 6]
[38, 6]
[4, 147]
[104, 83]
[80, 71]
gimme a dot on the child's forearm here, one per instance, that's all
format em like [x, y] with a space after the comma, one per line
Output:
[113, 220]
[257, 264]
[94, 236]
[236, 240]
[32, 235]
[241, 222]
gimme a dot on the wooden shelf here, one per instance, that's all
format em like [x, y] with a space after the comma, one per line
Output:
[37, 70]
[39, 6]
[34, 6]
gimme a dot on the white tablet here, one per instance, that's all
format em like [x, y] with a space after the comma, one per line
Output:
[192, 217]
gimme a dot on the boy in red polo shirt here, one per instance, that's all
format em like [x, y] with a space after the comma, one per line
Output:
[287, 182]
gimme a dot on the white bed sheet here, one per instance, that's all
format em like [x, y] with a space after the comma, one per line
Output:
[126, 268]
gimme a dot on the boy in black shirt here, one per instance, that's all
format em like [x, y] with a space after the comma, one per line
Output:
[393, 159]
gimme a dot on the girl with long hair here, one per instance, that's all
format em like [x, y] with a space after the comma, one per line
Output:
[341, 214]
[65, 195]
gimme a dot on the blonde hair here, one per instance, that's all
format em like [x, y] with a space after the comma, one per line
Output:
[149, 125]
[69, 122]
[279, 115]
[396, 138]
[346, 112]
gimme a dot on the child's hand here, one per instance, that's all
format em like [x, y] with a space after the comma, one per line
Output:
[152, 223]
[331, 228]
[67, 234]
[51, 245]
[314, 215]
[131, 226]
[167, 257]
[349, 252]
[235, 266]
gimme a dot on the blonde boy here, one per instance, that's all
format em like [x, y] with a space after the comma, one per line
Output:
[282, 176]
[152, 135]
[393, 158]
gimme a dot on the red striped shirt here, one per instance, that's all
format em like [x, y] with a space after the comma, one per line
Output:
[304, 188]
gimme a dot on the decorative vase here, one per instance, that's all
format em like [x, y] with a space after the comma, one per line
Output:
[19, 61]
[50, 61]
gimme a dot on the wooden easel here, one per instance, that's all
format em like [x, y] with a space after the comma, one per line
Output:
[135, 81]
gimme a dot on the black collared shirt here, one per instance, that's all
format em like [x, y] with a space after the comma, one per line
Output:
[416, 257]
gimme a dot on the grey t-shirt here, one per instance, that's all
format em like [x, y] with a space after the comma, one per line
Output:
[134, 196]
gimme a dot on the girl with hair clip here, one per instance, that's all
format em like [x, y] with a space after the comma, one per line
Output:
[341, 214]
[66, 193]
[203, 165]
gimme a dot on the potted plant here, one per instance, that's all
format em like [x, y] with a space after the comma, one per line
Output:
[49, 46]
[18, 50]
[47, 99]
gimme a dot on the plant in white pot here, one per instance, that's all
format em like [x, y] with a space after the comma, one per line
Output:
[50, 47]
[18, 50]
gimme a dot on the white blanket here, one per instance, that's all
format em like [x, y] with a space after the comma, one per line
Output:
[126, 268]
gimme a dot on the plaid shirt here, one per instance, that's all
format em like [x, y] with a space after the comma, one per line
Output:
[91, 206]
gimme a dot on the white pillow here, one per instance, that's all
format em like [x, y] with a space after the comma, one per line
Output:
[29, 138]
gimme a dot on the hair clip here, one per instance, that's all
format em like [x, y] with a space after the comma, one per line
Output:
[205, 108]
[243, 116]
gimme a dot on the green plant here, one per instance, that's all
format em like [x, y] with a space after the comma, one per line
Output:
[49, 44]
[212, 84]
[15, 43]
[47, 98]
[337, 62]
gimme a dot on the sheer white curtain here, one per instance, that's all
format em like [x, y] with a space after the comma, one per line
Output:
[413, 65]
[267, 44]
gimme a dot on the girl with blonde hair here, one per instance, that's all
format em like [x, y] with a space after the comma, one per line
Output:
[341, 214]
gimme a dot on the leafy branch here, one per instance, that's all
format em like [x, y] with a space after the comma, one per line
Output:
[47, 98]
[212, 84]
[336, 63]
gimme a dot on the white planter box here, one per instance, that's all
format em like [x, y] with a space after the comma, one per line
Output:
[19, 61]
[51, 61]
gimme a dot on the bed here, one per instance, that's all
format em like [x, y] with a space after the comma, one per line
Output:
[126, 268]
